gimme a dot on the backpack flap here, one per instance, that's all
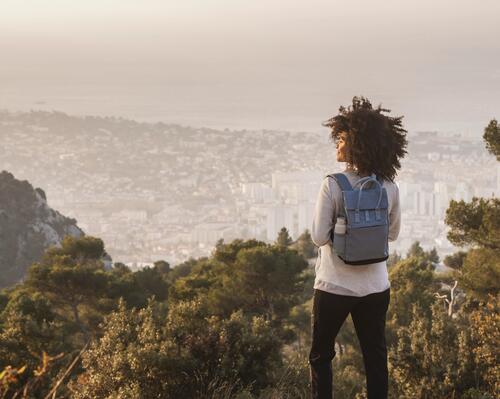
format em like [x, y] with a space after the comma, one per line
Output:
[368, 214]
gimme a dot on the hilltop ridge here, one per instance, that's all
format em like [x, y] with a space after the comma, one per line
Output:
[28, 225]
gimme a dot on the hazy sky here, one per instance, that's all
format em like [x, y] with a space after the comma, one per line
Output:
[254, 63]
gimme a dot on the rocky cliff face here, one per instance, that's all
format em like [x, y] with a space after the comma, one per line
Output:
[27, 227]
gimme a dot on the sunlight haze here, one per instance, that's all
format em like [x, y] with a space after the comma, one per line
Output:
[258, 64]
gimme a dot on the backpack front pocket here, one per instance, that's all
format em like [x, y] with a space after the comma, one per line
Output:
[364, 243]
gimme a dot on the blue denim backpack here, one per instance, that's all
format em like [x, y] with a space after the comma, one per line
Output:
[366, 221]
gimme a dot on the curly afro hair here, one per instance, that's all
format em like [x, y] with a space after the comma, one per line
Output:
[375, 141]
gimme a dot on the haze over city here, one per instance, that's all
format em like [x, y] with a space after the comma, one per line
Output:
[265, 64]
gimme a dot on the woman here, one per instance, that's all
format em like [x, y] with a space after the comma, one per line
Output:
[370, 142]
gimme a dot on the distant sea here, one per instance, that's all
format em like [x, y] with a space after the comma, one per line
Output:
[221, 117]
[253, 112]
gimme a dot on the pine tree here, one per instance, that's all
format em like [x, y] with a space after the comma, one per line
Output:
[284, 239]
[492, 138]
[305, 246]
[475, 226]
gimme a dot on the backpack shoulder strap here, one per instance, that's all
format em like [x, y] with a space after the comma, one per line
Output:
[345, 185]
[342, 181]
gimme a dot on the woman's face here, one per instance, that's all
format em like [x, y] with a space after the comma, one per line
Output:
[342, 148]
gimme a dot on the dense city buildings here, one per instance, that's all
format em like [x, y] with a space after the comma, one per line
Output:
[160, 191]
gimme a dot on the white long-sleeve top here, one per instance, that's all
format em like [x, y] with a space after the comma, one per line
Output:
[332, 274]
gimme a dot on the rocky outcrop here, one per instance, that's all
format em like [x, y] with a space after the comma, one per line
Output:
[28, 226]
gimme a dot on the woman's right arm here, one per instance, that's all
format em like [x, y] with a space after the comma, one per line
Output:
[323, 215]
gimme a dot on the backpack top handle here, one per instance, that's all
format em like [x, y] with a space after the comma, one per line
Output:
[363, 179]
[377, 211]
[344, 183]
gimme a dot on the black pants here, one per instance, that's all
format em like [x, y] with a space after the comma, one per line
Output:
[368, 314]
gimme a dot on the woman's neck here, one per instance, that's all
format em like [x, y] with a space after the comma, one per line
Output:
[352, 169]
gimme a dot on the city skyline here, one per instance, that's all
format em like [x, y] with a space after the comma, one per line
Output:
[159, 191]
